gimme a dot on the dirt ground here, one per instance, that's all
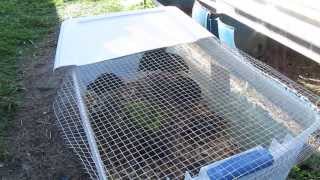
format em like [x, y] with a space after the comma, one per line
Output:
[293, 65]
[37, 150]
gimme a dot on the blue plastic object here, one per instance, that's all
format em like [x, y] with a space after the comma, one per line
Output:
[244, 164]
[221, 30]
[213, 25]
[200, 14]
[226, 34]
[205, 18]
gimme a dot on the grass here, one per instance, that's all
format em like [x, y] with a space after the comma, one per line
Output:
[307, 170]
[74, 8]
[145, 115]
[22, 25]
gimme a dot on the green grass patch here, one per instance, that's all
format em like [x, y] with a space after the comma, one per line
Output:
[144, 115]
[307, 170]
[22, 25]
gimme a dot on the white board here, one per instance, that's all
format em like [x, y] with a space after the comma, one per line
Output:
[93, 39]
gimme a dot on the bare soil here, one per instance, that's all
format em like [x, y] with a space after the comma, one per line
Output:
[36, 149]
[293, 65]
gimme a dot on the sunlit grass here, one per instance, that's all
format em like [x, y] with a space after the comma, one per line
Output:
[88, 7]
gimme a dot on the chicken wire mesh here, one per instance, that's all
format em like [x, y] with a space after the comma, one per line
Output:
[177, 112]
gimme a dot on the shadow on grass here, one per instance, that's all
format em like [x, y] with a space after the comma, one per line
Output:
[22, 24]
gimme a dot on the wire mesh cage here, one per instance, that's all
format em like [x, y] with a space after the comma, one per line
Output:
[191, 111]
